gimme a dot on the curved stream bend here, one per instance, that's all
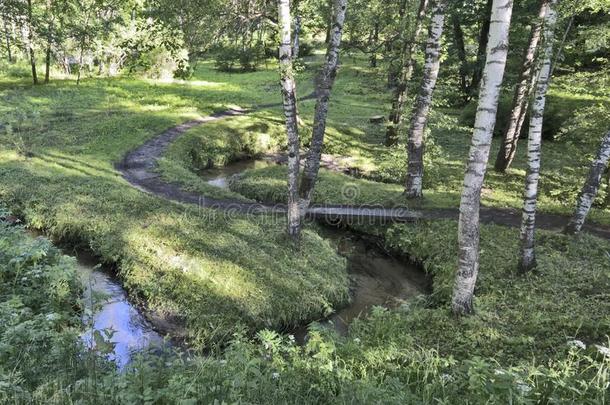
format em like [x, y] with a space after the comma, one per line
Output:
[138, 169]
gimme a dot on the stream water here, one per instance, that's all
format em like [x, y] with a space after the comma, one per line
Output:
[377, 278]
[219, 176]
[108, 309]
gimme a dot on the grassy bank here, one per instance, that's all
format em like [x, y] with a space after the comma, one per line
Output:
[199, 268]
[541, 338]
[576, 119]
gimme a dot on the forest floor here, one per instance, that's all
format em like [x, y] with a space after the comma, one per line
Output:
[228, 277]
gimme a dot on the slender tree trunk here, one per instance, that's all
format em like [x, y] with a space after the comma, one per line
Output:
[329, 27]
[325, 85]
[415, 144]
[468, 226]
[483, 38]
[506, 154]
[534, 143]
[80, 62]
[296, 43]
[562, 44]
[49, 43]
[296, 40]
[458, 37]
[589, 190]
[400, 94]
[288, 87]
[31, 43]
[607, 199]
[47, 71]
[374, 39]
[8, 41]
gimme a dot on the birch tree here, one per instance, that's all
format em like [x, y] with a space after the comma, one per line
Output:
[400, 94]
[288, 88]
[323, 90]
[7, 38]
[534, 143]
[296, 40]
[30, 42]
[506, 154]
[591, 187]
[468, 226]
[415, 144]
[482, 49]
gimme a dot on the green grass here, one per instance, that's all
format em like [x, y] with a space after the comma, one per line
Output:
[195, 266]
[217, 144]
[576, 117]
[515, 349]
[222, 275]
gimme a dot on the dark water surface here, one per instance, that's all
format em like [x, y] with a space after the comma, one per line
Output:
[377, 279]
[219, 176]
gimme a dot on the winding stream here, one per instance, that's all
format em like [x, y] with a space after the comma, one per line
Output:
[377, 278]
[107, 308]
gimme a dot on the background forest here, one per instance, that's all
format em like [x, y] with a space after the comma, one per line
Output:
[336, 106]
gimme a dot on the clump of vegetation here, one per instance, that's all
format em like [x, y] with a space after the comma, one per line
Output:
[39, 300]
[386, 356]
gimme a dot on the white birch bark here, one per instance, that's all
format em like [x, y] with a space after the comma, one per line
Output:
[296, 42]
[534, 143]
[288, 88]
[468, 226]
[325, 85]
[400, 95]
[591, 187]
[507, 151]
[415, 143]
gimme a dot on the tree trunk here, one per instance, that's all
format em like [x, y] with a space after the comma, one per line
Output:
[8, 41]
[288, 88]
[329, 27]
[324, 87]
[374, 40]
[589, 190]
[468, 226]
[483, 38]
[296, 41]
[47, 71]
[400, 94]
[534, 143]
[31, 43]
[458, 37]
[80, 62]
[607, 199]
[562, 43]
[49, 43]
[506, 154]
[415, 145]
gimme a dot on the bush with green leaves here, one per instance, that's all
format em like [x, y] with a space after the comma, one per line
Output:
[239, 58]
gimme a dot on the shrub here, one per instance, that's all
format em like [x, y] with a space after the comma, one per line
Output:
[555, 115]
[231, 58]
